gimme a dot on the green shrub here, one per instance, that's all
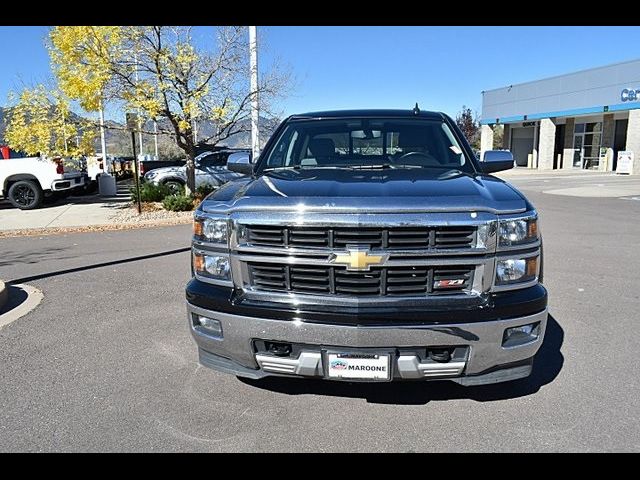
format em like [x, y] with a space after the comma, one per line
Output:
[150, 192]
[204, 190]
[178, 203]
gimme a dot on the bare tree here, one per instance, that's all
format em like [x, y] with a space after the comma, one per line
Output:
[166, 76]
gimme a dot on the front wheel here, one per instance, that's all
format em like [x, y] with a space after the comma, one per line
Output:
[25, 195]
[174, 186]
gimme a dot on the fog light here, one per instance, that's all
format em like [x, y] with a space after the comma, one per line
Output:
[207, 325]
[515, 336]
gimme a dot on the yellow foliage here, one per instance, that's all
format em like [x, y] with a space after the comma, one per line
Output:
[38, 125]
[82, 58]
[183, 125]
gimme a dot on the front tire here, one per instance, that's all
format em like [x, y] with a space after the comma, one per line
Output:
[25, 195]
[174, 186]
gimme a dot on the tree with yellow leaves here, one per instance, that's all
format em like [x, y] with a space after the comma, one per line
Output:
[41, 123]
[160, 72]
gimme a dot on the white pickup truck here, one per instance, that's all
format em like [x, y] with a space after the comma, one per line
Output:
[25, 182]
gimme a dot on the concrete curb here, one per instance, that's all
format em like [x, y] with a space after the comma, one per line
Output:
[95, 228]
[34, 297]
[4, 294]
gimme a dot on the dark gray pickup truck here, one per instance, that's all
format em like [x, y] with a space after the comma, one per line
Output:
[368, 246]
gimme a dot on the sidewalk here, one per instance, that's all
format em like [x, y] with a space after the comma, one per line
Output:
[70, 212]
[561, 172]
[87, 213]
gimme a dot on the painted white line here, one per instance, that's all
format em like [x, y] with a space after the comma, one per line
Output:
[34, 297]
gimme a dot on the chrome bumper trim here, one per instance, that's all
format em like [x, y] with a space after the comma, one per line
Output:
[307, 364]
[310, 364]
[484, 340]
[409, 366]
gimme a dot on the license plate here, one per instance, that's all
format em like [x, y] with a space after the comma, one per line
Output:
[362, 366]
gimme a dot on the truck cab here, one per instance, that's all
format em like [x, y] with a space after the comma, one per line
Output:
[368, 245]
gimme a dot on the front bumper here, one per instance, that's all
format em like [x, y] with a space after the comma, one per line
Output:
[484, 360]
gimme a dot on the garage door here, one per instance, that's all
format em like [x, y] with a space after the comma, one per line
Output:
[522, 144]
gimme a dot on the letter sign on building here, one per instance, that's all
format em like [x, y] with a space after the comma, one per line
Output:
[629, 95]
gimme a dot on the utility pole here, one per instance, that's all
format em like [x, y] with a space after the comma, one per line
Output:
[135, 55]
[255, 134]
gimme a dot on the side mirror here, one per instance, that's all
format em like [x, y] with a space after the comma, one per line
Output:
[496, 161]
[240, 162]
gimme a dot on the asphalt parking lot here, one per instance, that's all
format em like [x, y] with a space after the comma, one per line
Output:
[106, 361]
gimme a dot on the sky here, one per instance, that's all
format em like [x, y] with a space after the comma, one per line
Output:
[441, 68]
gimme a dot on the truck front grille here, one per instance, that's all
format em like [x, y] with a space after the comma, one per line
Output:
[400, 238]
[336, 280]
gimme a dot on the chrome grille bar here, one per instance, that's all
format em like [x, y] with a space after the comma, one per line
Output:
[279, 255]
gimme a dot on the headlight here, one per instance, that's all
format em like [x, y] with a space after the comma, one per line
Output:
[212, 266]
[150, 175]
[213, 230]
[516, 270]
[518, 231]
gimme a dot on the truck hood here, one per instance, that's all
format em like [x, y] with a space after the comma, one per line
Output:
[388, 190]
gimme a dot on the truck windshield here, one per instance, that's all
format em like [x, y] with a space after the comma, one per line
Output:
[367, 143]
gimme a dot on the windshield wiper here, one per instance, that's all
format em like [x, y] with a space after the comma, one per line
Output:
[305, 167]
[368, 167]
[381, 166]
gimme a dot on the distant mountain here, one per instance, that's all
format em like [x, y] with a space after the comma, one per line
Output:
[119, 140]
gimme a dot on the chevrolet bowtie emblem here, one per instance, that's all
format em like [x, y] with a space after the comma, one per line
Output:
[357, 259]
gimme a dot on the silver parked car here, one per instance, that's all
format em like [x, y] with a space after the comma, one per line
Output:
[211, 169]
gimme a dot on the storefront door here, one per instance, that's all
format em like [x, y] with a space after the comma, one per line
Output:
[578, 140]
[587, 139]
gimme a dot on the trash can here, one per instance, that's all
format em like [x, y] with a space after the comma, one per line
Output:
[107, 185]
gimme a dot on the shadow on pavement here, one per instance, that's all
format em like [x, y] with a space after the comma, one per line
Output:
[47, 203]
[122, 196]
[34, 256]
[97, 265]
[17, 297]
[547, 366]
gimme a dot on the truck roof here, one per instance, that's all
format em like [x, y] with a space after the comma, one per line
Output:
[370, 113]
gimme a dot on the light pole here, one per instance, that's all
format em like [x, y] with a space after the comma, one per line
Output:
[103, 142]
[255, 133]
[155, 137]
[106, 182]
[135, 56]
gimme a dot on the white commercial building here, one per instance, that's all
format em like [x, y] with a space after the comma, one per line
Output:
[579, 120]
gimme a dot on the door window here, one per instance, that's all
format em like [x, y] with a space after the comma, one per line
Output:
[587, 142]
[577, 150]
[213, 160]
